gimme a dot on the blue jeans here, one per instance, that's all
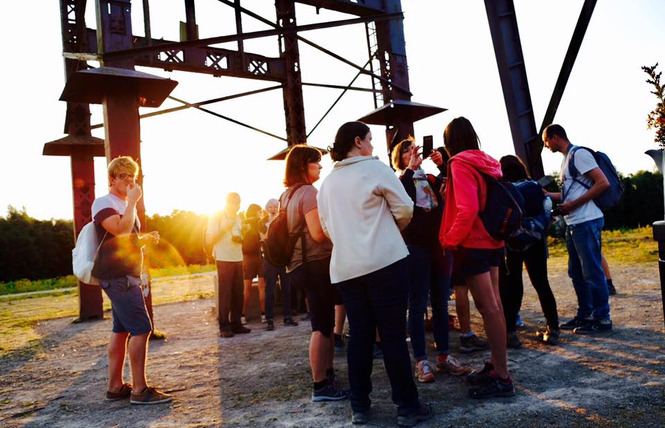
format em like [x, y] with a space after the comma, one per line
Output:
[585, 268]
[378, 301]
[430, 272]
[271, 273]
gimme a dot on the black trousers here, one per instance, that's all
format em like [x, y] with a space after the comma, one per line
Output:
[511, 286]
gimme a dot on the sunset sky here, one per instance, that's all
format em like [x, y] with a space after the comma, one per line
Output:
[192, 159]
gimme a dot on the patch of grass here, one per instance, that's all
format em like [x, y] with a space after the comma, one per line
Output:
[70, 281]
[26, 285]
[181, 270]
[620, 246]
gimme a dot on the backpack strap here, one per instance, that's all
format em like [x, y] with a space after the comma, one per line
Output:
[301, 232]
[574, 173]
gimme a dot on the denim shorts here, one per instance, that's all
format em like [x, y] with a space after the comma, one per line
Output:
[473, 261]
[129, 311]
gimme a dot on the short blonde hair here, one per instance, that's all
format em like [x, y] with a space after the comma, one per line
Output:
[123, 165]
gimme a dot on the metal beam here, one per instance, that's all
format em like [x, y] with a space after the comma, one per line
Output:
[512, 72]
[568, 62]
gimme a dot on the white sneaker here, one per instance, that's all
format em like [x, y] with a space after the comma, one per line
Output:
[452, 366]
[263, 318]
[243, 320]
[424, 372]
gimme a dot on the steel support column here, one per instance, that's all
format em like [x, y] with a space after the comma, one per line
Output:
[391, 54]
[512, 71]
[77, 123]
[294, 107]
[121, 110]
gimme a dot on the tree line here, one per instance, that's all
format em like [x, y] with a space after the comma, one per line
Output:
[39, 249]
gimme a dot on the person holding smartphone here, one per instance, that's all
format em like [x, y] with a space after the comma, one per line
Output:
[429, 268]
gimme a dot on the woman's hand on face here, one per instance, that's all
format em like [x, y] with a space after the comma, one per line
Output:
[415, 160]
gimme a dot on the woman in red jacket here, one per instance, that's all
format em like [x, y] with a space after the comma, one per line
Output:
[476, 254]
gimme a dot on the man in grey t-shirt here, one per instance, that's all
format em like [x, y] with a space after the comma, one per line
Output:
[584, 222]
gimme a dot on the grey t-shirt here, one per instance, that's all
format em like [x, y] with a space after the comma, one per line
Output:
[300, 202]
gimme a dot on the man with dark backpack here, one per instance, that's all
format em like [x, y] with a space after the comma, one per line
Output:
[581, 186]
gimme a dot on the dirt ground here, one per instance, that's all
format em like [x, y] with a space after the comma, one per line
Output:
[58, 379]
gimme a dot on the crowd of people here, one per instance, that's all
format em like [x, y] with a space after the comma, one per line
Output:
[376, 247]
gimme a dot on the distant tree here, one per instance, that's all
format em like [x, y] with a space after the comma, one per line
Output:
[656, 118]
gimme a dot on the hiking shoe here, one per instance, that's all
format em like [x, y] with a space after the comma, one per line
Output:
[226, 334]
[124, 392]
[574, 323]
[150, 395]
[481, 377]
[513, 340]
[263, 319]
[270, 325]
[329, 393]
[243, 319]
[339, 343]
[241, 330]
[290, 322]
[493, 389]
[424, 413]
[451, 366]
[360, 418]
[472, 343]
[548, 335]
[424, 372]
[595, 327]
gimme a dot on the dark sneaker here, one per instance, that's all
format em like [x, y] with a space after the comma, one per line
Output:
[481, 377]
[377, 353]
[150, 395]
[226, 334]
[574, 323]
[424, 413]
[124, 392]
[595, 327]
[329, 393]
[339, 343]
[270, 325]
[290, 322]
[472, 343]
[549, 336]
[241, 330]
[360, 418]
[513, 340]
[493, 389]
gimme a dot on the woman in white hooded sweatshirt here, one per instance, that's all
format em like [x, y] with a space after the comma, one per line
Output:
[363, 207]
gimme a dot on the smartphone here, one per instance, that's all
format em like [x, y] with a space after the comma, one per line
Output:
[428, 146]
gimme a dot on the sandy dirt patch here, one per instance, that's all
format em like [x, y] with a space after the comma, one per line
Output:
[58, 378]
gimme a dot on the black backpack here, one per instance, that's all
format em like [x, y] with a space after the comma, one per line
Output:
[534, 218]
[502, 214]
[278, 244]
[614, 193]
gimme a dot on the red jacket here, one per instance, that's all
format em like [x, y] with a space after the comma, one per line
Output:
[461, 225]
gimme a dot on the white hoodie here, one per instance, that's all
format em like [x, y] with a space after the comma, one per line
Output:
[362, 208]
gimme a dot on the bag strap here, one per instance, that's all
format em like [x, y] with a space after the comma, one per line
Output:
[573, 171]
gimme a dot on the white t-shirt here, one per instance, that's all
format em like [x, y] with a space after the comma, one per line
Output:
[584, 162]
